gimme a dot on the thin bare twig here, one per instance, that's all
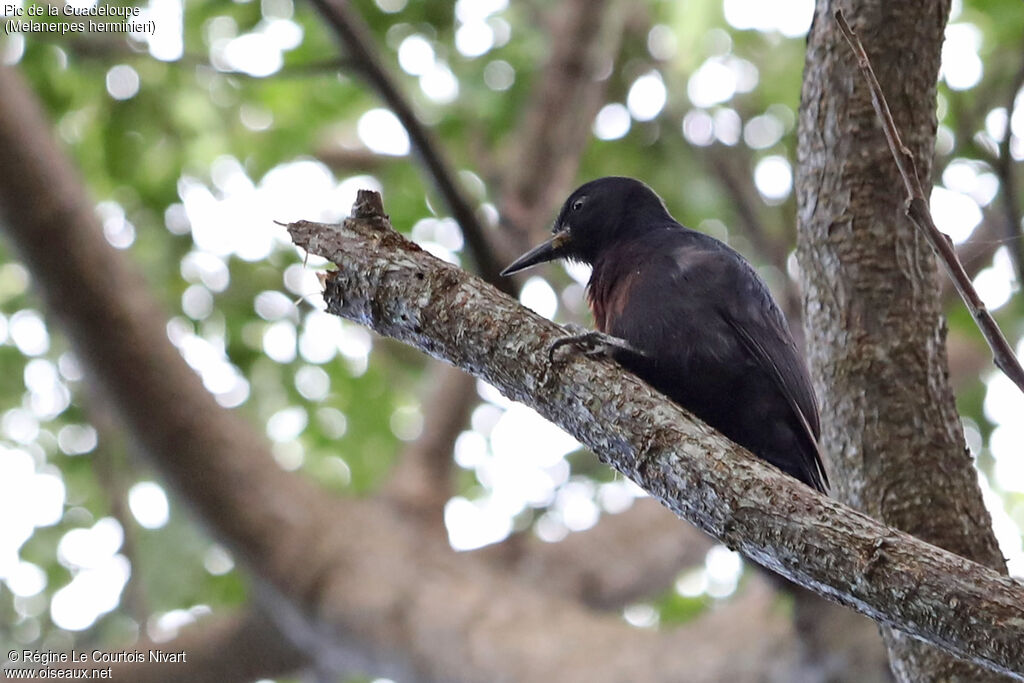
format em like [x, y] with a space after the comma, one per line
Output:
[919, 213]
[355, 35]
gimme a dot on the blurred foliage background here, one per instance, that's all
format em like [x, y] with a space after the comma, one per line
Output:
[234, 115]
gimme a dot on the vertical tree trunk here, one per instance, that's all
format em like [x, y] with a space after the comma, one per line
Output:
[875, 333]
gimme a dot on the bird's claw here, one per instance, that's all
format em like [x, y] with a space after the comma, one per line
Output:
[590, 343]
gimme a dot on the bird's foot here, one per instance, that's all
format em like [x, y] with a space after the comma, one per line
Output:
[590, 343]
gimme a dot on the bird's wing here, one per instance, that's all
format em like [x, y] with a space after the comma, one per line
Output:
[761, 328]
[702, 317]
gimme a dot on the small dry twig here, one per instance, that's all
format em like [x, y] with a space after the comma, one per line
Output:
[918, 212]
[362, 57]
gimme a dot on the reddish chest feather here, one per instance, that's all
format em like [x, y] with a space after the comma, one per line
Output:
[608, 294]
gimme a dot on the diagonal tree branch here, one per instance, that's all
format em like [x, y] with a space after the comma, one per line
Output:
[357, 587]
[877, 336]
[919, 213]
[354, 34]
[389, 284]
[836, 644]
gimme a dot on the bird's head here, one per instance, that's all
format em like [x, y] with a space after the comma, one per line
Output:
[598, 215]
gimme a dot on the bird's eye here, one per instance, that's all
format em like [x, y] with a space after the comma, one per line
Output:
[578, 204]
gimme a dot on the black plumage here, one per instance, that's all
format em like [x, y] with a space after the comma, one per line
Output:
[699, 325]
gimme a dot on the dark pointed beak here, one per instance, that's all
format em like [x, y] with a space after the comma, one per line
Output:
[554, 248]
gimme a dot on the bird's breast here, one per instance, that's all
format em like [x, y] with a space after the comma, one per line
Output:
[608, 295]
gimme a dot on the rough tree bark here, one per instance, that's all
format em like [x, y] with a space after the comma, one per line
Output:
[876, 336]
[66, 209]
[391, 285]
[358, 587]
[584, 36]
